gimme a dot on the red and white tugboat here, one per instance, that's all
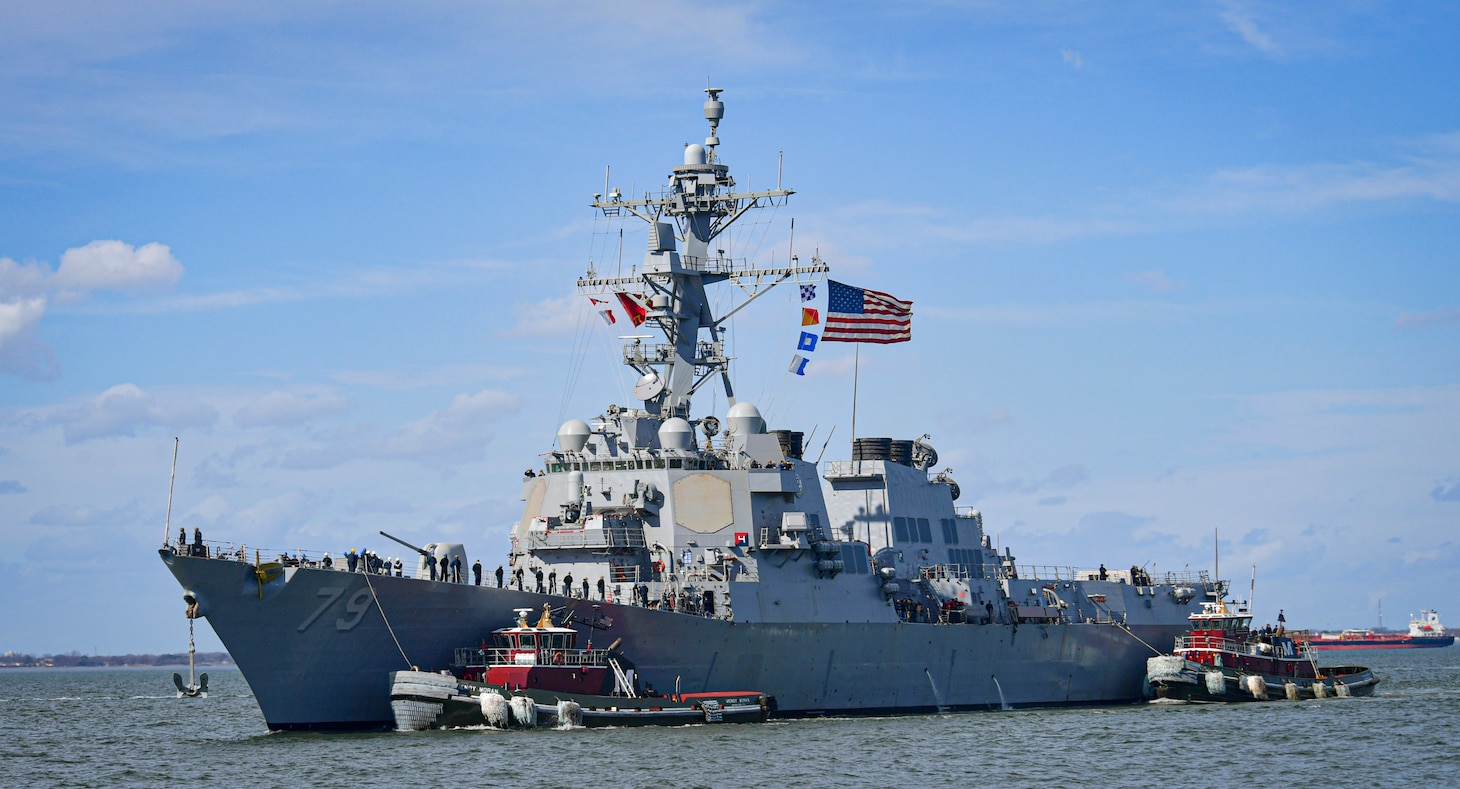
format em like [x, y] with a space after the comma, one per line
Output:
[1222, 659]
[536, 676]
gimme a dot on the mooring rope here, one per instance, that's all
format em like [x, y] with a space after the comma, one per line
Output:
[1130, 632]
[386, 619]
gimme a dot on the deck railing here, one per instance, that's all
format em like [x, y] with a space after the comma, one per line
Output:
[1249, 647]
[300, 557]
[498, 656]
[613, 537]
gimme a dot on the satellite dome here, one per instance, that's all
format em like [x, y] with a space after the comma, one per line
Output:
[573, 435]
[744, 419]
[676, 433]
[648, 386]
[694, 153]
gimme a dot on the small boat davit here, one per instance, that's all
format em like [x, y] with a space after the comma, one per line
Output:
[535, 676]
[1222, 659]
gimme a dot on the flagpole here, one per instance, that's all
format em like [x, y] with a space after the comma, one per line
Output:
[856, 374]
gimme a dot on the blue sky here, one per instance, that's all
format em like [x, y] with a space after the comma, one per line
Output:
[1176, 268]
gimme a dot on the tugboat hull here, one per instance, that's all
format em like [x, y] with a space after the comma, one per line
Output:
[421, 700]
[1178, 679]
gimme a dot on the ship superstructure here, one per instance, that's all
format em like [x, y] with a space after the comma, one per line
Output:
[707, 543]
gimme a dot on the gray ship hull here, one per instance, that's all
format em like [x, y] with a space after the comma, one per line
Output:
[316, 650]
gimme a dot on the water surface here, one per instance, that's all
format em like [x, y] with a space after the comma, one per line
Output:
[126, 728]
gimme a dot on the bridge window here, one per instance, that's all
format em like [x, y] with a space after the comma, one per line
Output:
[899, 529]
[854, 559]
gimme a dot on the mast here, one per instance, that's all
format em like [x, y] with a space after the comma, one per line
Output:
[167, 522]
[699, 205]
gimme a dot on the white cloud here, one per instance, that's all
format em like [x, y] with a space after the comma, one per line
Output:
[124, 409]
[459, 433]
[1073, 57]
[1311, 187]
[100, 265]
[558, 317]
[1064, 313]
[366, 76]
[989, 420]
[289, 408]
[450, 375]
[1347, 421]
[21, 353]
[18, 279]
[1240, 20]
[389, 505]
[1420, 169]
[210, 510]
[115, 265]
[870, 220]
[1441, 316]
[269, 517]
[82, 516]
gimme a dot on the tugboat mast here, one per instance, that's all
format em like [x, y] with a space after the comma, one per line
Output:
[699, 205]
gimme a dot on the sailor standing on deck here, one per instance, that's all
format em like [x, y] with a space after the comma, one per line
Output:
[476, 572]
[499, 576]
[538, 571]
[568, 585]
[552, 582]
[456, 569]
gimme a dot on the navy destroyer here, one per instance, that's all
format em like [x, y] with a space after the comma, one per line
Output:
[706, 544]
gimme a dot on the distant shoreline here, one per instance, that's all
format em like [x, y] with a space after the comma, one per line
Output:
[17, 660]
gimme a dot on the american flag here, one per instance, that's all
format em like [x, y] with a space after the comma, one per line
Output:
[859, 315]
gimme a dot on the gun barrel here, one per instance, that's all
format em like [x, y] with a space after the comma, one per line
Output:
[421, 551]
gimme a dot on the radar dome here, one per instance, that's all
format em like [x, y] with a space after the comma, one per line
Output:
[648, 386]
[694, 153]
[573, 435]
[744, 419]
[676, 433]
